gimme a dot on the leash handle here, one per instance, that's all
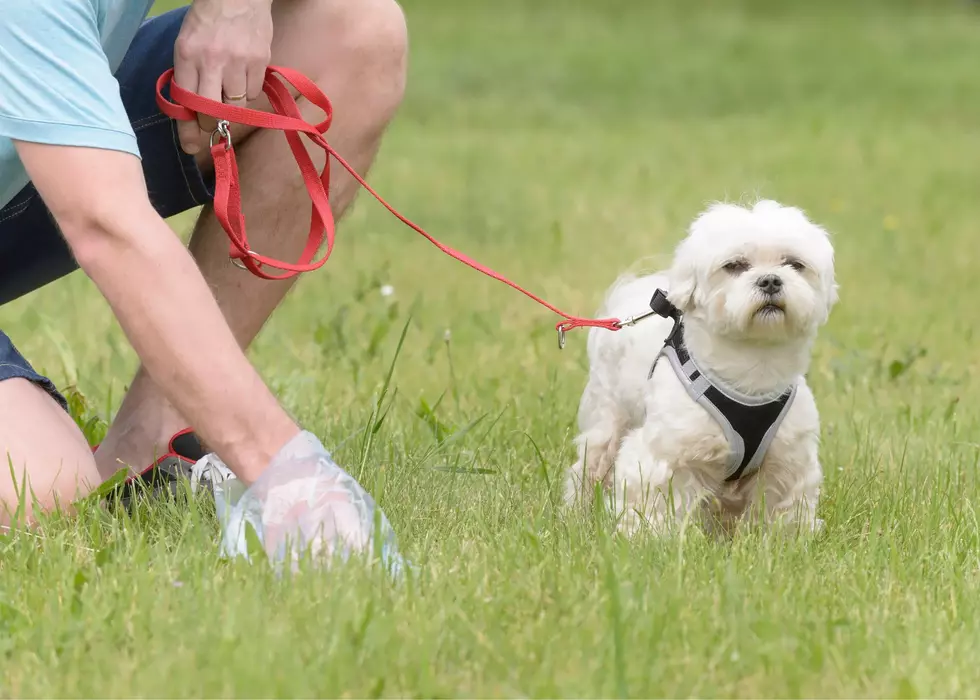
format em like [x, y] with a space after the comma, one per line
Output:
[184, 105]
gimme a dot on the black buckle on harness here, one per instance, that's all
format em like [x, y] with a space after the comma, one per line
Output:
[662, 307]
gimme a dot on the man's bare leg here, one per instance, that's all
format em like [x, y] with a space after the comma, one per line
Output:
[45, 447]
[356, 52]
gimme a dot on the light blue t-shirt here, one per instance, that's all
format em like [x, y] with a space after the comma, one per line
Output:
[57, 60]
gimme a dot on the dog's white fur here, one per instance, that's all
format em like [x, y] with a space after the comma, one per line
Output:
[660, 455]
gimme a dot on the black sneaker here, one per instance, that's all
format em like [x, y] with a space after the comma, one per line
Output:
[164, 476]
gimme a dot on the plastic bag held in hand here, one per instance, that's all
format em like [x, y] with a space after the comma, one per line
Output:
[303, 503]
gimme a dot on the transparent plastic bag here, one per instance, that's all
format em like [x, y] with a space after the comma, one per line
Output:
[303, 504]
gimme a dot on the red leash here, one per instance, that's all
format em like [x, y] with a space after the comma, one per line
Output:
[288, 119]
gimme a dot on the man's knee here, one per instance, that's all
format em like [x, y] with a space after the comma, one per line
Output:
[371, 37]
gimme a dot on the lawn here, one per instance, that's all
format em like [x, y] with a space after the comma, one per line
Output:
[560, 141]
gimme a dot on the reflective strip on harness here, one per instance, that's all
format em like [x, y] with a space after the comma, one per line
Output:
[749, 423]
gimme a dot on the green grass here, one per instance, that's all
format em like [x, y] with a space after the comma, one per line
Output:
[560, 141]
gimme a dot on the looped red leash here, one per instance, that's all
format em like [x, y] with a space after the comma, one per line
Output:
[186, 105]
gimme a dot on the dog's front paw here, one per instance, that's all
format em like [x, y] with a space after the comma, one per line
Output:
[572, 486]
[786, 523]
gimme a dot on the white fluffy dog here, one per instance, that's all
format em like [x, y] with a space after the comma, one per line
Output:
[707, 427]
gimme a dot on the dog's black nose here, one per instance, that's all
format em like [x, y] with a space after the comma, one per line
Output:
[770, 284]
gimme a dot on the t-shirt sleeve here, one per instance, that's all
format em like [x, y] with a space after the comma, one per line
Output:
[56, 86]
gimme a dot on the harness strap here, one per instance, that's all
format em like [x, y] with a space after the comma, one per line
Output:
[749, 423]
[185, 106]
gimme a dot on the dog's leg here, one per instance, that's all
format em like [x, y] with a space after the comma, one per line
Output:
[648, 491]
[721, 514]
[791, 497]
[597, 449]
[639, 484]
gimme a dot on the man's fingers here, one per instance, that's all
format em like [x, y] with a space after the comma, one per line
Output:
[185, 75]
[256, 79]
[235, 90]
[210, 87]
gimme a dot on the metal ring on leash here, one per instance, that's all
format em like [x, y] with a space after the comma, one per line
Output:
[238, 263]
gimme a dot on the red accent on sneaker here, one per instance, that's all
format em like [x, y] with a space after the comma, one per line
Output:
[170, 454]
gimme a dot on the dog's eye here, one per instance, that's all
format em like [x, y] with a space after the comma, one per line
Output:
[736, 267]
[795, 264]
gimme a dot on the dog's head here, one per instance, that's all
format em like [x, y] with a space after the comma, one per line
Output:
[764, 273]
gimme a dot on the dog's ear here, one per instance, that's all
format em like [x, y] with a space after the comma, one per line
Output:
[828, 277]
[682, 284]
[830, 288]
[832, 293]
[682, 281]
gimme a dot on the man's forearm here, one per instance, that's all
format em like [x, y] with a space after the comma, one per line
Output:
[173, 322]
[99, 199]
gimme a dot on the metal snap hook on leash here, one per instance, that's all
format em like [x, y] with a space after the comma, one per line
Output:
[659, 306]
[223, 131]
[633, 320]
[628, 321]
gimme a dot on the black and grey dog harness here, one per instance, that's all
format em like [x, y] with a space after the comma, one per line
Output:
[749, 424]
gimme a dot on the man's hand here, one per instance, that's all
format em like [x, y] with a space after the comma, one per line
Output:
[221, 53]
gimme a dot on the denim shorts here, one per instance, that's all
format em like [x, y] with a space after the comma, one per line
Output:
[32, 250]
